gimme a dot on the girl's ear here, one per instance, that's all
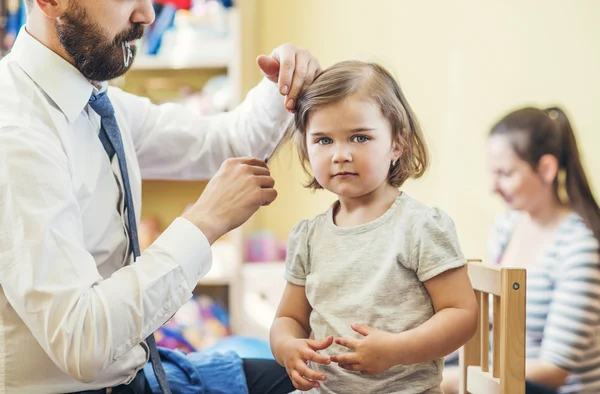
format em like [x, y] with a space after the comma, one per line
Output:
[397, 149]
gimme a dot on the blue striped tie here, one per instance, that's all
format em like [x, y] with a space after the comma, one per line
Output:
[110, 136]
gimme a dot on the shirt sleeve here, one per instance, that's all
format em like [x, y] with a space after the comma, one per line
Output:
[435, 247]
[297, 265]
[83, 322]
[574, 315]
[173, 142]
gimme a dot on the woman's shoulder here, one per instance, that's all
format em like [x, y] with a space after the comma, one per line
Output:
[574, 235]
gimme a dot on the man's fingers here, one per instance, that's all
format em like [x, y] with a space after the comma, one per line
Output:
[298, 78]
[255, 171]
[269, 66]
[314, 69]
[267, 196]
[301, 383]
[265, 181]
[250, 161]
[286, 55]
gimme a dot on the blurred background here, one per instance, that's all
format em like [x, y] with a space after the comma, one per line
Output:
[462, 64]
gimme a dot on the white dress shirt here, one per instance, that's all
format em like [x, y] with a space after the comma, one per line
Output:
[72, 311]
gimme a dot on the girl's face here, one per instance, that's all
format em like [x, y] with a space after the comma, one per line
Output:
[514, 180]
[350, 147]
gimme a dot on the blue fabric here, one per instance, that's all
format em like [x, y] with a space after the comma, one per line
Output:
[535, 388]
[245, 347]
[200, 373]
[110, 136]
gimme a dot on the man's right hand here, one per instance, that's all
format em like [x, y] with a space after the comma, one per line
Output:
[240, 187]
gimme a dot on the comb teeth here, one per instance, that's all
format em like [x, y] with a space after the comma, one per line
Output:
[127, 55]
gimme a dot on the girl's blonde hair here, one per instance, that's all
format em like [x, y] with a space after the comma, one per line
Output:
[345, 79]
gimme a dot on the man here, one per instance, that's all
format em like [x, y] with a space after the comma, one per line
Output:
[78, 303]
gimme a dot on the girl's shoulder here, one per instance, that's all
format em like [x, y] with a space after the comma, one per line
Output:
[306, 227]
[417, 212]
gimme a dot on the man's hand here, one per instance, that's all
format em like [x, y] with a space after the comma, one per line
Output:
[291, 68]
[371, 354]
[239, 188]
[297, 353]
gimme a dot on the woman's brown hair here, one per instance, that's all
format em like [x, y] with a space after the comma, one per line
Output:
[533, 133]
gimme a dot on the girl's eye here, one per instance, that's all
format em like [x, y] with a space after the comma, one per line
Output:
[360, 138]
[324, 141]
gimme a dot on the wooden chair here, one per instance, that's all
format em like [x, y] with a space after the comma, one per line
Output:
[508, 287]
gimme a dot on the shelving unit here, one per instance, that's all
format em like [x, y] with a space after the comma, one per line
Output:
[192, 63]
[166, 199]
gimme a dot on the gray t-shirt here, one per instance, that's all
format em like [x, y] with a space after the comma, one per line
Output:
[373, 274]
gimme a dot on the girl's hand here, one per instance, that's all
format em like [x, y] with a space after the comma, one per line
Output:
[371, 354]
[297, 353]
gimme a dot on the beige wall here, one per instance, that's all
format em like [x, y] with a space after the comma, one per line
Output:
[461, 64]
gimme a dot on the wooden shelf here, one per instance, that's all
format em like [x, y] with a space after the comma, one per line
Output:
[167, 200]
[215, 61]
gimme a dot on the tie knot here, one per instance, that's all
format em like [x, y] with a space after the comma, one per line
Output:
[102, 105]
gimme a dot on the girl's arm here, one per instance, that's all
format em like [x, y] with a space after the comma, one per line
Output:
[289, 342]
[452, 325]
[291, 319]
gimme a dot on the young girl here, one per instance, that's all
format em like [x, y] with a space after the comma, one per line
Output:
[377, 287]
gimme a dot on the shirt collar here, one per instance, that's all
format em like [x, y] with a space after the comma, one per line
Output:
[58, 78]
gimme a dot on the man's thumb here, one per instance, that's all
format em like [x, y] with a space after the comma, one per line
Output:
[268, 65]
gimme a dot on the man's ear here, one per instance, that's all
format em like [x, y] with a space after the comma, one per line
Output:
[547, 168]
[52, 9]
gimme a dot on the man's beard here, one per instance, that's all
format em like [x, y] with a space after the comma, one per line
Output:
[95, 56]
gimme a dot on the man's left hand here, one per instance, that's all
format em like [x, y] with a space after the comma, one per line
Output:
[291, 68]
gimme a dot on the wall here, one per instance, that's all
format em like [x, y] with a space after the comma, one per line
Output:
[462, 64]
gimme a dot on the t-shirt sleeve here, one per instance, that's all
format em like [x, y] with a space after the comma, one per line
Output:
[296, 261]
[435, 247]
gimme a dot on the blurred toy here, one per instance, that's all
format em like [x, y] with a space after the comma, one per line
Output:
[199, 324]
[179, 4]
[216, 96]
[263, 246]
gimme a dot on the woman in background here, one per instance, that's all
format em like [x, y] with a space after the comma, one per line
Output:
[551, 229]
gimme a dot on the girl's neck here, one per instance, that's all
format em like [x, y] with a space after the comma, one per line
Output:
[354, 211]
